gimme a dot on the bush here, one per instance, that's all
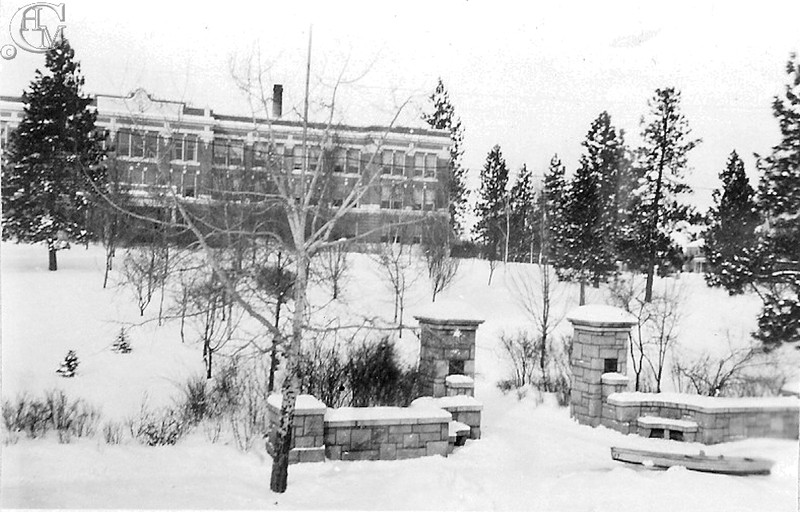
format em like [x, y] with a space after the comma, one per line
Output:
[112, 432]
[370, 374]
[35, 417]
[546, 371]
[196, 399]
[164, 427]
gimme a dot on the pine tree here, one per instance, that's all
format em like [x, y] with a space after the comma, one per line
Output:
[443, 118]
[657, 203]
[69, 365]
[122, 344]
[775, 264]
[523, 216]
[731, 235]
[550, 213]
[492, 203]
[590, 210]
[53, 154]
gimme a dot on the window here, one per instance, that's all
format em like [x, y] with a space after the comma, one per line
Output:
[314, 159]
[220, 152]
[429, 200]
[190, 148]
[456, 367]
[353, 161]
[123, 143]
[150, 145]
[297, 158]
[137, 145]
[419, 198]
[430, 166]
[419, 165]
[398, 163]
[386, 162]
[236, 153]
[177, 148]
[609, 365]
[340, 160]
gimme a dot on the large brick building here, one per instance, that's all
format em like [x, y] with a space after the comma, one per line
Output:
[198, 153]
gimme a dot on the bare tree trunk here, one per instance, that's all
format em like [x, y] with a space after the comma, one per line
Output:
[53, 263]
[582, 299]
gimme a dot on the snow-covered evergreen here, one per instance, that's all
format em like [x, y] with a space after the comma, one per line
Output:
[121, 343]
[69, 365]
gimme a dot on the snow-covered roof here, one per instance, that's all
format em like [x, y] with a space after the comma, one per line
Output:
[601, 315]
[449, 311]
[705, 402]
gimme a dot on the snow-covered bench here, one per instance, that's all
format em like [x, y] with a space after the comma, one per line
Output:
[667, 428]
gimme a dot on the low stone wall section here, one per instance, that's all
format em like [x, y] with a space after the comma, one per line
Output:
[718, 419]
[308, 430]
[385, 433]
[465, 409]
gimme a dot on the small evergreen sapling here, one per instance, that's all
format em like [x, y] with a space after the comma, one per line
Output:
[122, 344]
[68, 365]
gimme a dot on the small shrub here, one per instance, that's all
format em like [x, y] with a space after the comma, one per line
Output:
[122, 345]
[69, 365]
[112, 432]
[196, 400]
[35, 417]
[155, 428]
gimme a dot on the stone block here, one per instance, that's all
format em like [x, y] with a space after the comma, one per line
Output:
[360, 455]
[360, 439]
[400, 429]
[426, 427]
[314, 425]
[380, 434]
[330, 436]
[411, 441]
[436, 448]
[387, 451]
[475, 432]
[426, 437]
[410, 453]
[315, 455]
[333, 452]
[304, 442]
[343, 436]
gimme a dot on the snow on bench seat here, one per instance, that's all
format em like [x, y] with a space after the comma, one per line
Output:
[667, 423]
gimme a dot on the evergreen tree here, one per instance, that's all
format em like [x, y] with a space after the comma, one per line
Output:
[731, 233]
[523, 216]
[443, 117]
[589, 214]
[69, 365]
[492, 202]
[657, 202]
[122, 344]
[53, 154]
[775, 263]
[551, 212]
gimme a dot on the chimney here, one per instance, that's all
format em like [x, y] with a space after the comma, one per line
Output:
[277, 101]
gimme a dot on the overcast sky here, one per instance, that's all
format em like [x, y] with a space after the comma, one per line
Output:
[528, 77]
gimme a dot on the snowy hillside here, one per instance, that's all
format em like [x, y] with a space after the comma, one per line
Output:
[531, 456]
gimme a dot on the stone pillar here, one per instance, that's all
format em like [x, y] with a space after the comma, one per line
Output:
[599, 346]
[309, 428]
[447, 345]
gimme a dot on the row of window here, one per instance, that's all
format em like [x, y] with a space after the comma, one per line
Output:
[145, 144]
[230, 153]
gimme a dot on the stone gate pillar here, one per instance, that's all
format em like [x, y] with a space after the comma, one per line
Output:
[447, 346]
[599, 346]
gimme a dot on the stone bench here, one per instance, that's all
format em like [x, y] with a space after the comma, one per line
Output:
[456, 385]
[459, 433]
[667, 428]
[465, 409]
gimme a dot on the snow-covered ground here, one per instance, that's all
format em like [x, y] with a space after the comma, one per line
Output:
[531, 456]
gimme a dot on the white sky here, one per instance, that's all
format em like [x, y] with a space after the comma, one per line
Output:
[528, 77]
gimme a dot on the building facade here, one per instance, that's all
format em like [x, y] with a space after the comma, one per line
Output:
[197, 153]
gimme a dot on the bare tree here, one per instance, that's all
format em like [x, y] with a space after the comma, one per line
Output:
[436, 245]
[399, 268]
[286, 206]
[628, 294]
[742, 371]
[537, 291]
[333, 265]
[663, 319]
[144, 270]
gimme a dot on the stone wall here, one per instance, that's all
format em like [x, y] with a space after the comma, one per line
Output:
[718, 419]
[308, 431]
[464, 409]
[385, 433]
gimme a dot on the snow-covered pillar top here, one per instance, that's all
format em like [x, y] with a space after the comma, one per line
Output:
[601, 317]
[447, 343]
[599, 346]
